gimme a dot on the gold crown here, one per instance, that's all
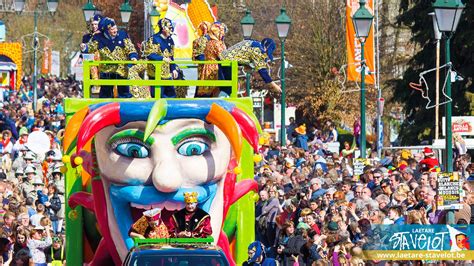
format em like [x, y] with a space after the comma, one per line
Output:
[190, 197]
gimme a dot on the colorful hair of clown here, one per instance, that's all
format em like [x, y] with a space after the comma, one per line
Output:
[233, 122]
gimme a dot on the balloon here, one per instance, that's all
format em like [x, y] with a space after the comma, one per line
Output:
[38, 142]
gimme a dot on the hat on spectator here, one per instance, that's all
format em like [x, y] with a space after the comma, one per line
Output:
[428, 151]
[39, 228]
[406, 154]
[56, 169]
[259, 250]
[19, 171]
[333, 226]
[29, 156]
[301, 129]
[30, 170]
[289, 162]
[38, 181]
[302, 225]
[8, 132]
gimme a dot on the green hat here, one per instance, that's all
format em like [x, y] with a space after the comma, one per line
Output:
[23, 131]
[333, 226]
[303, 225]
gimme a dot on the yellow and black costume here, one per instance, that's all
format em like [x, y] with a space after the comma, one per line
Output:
[112, 48]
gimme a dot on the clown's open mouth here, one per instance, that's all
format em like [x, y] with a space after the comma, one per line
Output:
[129, 202]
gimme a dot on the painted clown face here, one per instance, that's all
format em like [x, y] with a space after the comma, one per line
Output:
[183, 155]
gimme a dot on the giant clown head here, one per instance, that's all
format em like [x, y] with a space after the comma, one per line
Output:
[149, 154]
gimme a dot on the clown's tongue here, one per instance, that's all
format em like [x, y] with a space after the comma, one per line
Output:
[137, 213]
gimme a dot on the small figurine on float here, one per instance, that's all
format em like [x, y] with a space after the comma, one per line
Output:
[149, 225]
[191, 221]
[112, 45]
[249, 53]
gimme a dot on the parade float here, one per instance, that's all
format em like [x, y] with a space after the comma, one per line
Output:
[126, 156]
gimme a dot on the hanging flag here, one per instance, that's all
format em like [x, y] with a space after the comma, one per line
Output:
[353, 45]
[46, 66]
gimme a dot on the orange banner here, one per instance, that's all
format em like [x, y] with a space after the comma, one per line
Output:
[46, 66]
[353, 45]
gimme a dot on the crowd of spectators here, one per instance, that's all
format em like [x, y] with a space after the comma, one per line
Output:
[315, 209]
[32, 185]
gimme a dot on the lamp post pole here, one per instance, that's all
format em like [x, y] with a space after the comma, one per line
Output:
[362, 102]
[247, 84]
[283, 95]
[362, 21]
[35, 59]
[283, 23]
[449, 132]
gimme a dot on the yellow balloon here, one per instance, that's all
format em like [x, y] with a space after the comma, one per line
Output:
[78, 160]
[257, 158]
[254, 196]
[66, 159]
[237, 170]
[63, 169]
[261, 140]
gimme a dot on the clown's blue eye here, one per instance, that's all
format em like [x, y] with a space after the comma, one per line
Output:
[192, 148]
[130, 147]
[132, 150]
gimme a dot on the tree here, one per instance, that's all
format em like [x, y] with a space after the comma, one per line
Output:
[419, 123]
[316, 43]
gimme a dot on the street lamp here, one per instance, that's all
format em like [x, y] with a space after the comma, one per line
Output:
[362, 20]
[154, 17]
[52, 5]
[448, 13]
[283, 23]
[247, 24]
[125, 12]
[89, 10]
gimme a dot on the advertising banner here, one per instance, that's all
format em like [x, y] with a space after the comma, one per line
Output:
[353, 45]
[462, 125]
[449, 188]
[419, 242]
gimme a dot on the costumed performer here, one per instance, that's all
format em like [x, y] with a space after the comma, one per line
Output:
[190, 221]
[249, 53]
[150, 225]
[159, 47]
[213, 49]
[112, 45]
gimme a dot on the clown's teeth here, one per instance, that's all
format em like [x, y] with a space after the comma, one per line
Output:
[138, 206]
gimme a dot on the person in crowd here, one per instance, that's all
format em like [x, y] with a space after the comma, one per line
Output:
[150, 225]
[56, 253]
[37, 244]
[191, 221]
[257, 256]
[6, 249]
[112, 45]
[267, 219]
[247, 53]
